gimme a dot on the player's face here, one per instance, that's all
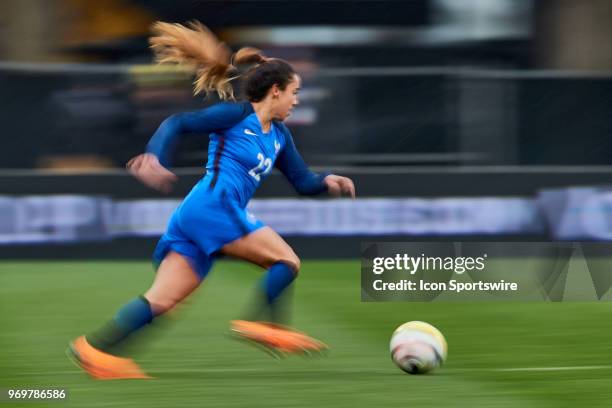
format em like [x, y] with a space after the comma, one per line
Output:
[288, 99]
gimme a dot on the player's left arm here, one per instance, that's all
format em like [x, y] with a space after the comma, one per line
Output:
[305, 181]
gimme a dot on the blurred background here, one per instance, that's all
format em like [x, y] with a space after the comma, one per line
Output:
[457, 119]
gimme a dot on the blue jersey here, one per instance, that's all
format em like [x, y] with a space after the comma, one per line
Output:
[240, 153]
[240, 156]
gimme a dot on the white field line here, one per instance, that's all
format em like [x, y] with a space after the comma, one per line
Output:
[567, 368]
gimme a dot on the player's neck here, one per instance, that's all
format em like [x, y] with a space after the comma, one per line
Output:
[264, 114]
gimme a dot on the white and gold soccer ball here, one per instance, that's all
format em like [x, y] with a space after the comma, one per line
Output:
[418, 347]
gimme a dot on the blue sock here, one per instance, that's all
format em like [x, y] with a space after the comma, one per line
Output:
[279, 276]
[272, 300]
[130, 318]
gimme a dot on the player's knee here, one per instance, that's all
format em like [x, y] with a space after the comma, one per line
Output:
[293, 262]
[297, 265]
[163, 304]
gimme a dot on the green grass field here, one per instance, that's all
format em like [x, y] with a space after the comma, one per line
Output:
[500, 354]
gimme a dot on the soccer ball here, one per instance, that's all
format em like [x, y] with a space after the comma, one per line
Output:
[417, 347]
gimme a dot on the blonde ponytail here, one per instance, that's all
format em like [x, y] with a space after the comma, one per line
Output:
[197, 46]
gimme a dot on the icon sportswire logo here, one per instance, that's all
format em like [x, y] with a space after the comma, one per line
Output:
[250, 132]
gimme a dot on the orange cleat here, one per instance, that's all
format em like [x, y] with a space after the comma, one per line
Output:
[101, 365]
[277, 338]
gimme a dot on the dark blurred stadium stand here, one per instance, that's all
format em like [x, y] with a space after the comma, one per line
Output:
[433, 133]
[349, 116]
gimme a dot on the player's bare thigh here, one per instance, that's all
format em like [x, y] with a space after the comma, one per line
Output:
[174, 281]
[263, 247]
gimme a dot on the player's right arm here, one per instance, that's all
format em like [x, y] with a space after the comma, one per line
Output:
[151, 167]
[215, 118]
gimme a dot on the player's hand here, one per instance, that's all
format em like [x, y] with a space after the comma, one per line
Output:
[338, 185]
[146, 168]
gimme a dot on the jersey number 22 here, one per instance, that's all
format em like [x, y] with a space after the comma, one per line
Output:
[264, 167]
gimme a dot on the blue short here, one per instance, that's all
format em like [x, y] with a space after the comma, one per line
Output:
[201, 225]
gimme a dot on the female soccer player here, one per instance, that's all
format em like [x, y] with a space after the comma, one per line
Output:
[246, 140]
